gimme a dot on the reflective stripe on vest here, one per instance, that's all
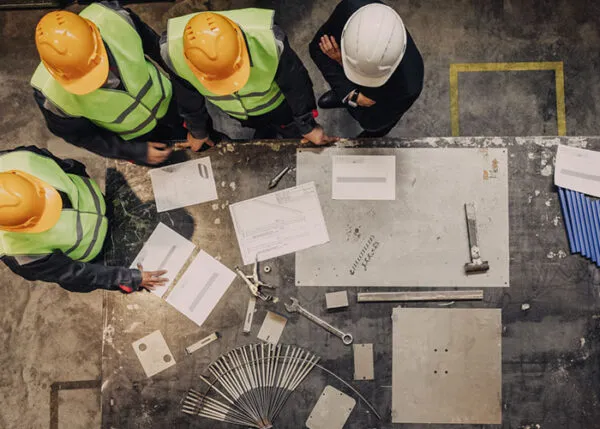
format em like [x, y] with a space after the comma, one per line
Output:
[261, 94]
[80, 231]
[130, 113]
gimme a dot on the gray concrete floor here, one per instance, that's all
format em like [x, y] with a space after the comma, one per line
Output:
[49, 335]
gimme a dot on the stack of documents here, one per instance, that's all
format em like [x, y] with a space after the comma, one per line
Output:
[202, 285]
[577, 174]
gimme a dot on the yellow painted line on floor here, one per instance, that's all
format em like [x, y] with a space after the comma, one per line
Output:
[556, 66]
[454, 114]
[561, 110]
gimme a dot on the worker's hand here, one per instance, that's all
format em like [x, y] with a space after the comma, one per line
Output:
[158, 153]
[194, 144]
[318, 137]
[152, 279]
[364, 101]
[330, 48]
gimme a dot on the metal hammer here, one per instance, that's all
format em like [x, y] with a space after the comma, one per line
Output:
[477, 265]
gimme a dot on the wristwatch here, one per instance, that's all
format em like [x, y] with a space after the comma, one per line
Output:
[352, 98]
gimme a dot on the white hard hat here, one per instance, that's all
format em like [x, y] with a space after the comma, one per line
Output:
[373, 44]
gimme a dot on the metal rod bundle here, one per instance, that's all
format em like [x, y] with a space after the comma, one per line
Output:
[582, 221]
[251, 384]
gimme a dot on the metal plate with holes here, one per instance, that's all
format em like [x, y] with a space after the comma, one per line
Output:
[419, 239]
[446, 366]
[363, 362]
[153, 353]
[331, 411]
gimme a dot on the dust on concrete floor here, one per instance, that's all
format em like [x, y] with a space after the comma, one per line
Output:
[50, 335]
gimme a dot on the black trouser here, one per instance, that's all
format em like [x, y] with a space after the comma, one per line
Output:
[370, 120]
[169, 128]
[272, 125]
[377, 133]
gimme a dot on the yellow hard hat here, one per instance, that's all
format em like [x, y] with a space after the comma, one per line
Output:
[72, 50]
[27, 204]
[216, 51]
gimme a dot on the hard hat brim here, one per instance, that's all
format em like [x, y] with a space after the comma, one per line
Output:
[52, 208]
[94, 79]
[234, 82]
[362, 80]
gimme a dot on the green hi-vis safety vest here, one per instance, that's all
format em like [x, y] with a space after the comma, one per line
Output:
[130, 113]
[80, 231]
[261, 94]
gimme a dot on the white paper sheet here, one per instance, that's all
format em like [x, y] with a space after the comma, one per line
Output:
[164, 250]
[363, 177]
[185, 184]
[201, 287]
[279, 223]
[578, 170]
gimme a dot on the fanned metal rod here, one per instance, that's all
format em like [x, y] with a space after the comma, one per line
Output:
[269, 383]
[248, 367]
[289, 368]
[217, 390]
[241, 382]
[197, 401]
[236, 406]
[297, 367]
[260, 354]
[307, 369]
[274, 376]
[219, 406]
[285, 380]
[227, 419]
[301, 375]
[232, 376]
[245, 373]
[263, 393]
[223, 380]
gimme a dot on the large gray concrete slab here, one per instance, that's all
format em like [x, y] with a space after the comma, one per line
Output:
[420, 238]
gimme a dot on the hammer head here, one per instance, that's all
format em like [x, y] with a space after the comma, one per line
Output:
[476, 267]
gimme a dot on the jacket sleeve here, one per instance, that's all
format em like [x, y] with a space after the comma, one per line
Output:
[85, 134]
[192, 108]
[76, 276]
[331, 70]
[294, 82]
[190, 103]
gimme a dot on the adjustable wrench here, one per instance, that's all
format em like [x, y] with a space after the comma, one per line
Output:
[294, 307]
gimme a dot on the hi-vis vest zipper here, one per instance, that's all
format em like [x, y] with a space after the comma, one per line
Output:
[80, 231]
[261, 94]
[129, 113]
